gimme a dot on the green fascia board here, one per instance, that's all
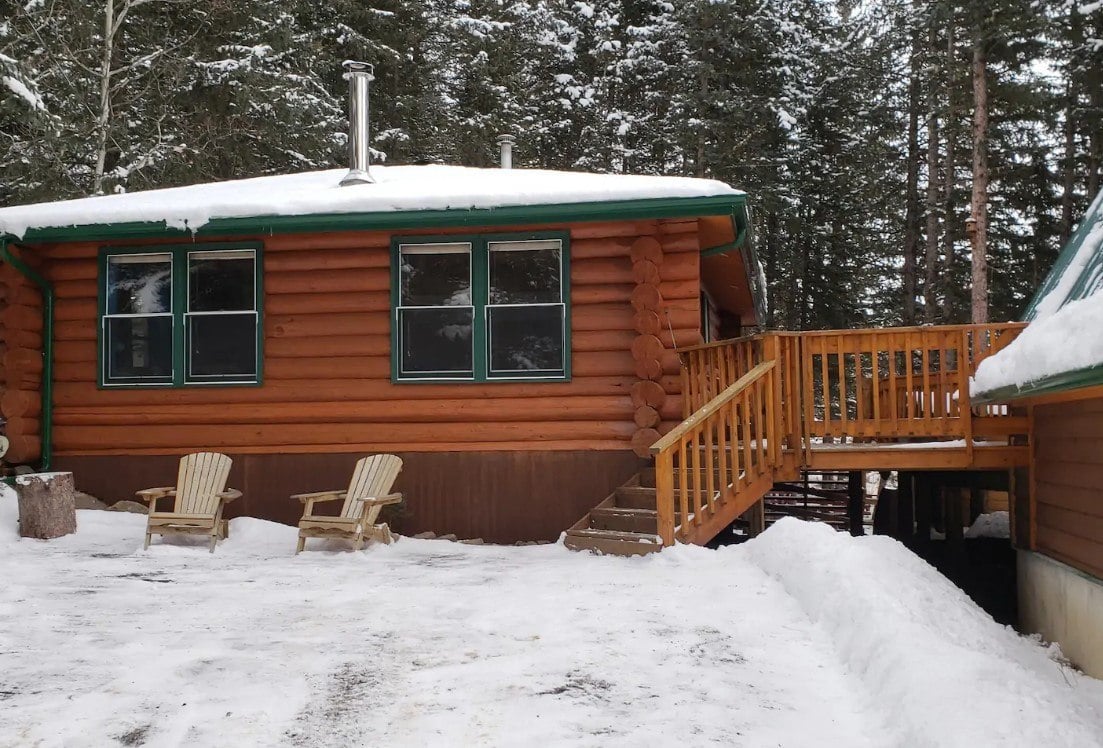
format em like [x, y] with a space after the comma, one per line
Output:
[616, 210]
[1065, 381]
[1093, 268]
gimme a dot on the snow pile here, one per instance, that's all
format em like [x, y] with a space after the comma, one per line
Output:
[991, 525]
[944, 671]
[1067, 340]
[800, 637]
[397, 188]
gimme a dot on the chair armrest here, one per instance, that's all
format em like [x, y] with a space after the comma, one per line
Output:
[152, 494]
[229, 495]
[391, 498]
[319, 496]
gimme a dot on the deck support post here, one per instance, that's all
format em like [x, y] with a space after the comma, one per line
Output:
[855, 505]
[927, 492]
[905, 506]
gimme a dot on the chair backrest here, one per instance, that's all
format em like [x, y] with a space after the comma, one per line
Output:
[202, 477]
[372, 478]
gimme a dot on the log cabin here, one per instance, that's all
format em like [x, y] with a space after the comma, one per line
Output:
[1055, 371]
[531, 343]
[511, 334]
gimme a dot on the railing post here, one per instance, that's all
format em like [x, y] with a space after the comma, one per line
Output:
[965, 375]
[664, 495]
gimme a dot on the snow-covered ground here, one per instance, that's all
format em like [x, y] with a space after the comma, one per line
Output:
[802, 637]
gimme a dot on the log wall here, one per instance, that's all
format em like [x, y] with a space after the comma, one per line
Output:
[327, 385]
[1068, 483]
[21, 361]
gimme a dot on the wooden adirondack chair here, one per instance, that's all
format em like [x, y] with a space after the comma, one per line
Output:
[367, 494]
[200, 494]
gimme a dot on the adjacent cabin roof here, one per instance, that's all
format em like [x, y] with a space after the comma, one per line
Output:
[435, 195]
[1062, 347]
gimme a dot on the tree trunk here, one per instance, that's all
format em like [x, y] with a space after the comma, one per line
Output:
[930, 306]
[1072, 115]
[103, 118]
[911, 219]
[47, 507]
[1095, 141]
[702, 119]
[949, 179]
[980, 181]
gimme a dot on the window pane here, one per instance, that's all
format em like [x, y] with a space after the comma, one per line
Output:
[139, 284]
[526, 338]
[139, 348]
[524, 273]
[221, 281]
[436, 276]
[436, 341]
[222, 346]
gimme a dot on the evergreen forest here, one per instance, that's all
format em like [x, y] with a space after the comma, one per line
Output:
[881, 142]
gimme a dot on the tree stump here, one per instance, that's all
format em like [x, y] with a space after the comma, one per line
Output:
[46, 505]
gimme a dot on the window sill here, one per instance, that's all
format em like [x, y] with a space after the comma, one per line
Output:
[172, 386]
[495, 380]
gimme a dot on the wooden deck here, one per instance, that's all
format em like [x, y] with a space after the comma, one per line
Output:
[759, 409]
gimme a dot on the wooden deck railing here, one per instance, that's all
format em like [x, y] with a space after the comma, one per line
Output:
[752, 403]
[895, 383]
[709, 462]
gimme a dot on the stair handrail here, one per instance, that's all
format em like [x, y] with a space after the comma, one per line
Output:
[768, 444]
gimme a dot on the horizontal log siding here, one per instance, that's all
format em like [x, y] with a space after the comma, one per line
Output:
[327, 381]
[21, 362]
[1069, 483]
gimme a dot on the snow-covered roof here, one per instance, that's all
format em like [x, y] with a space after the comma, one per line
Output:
[397, 189]
[1062, 347]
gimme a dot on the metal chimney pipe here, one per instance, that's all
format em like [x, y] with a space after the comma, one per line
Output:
[506, 143]
[359, 75]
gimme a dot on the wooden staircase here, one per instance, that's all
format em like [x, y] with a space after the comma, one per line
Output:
[624, 524]
[759, 410]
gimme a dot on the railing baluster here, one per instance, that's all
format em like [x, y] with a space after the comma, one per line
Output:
[826, 386]
[945, 397]
[809, 388]
[722, 457]
[909, 366]
[695, 492]
[859, 389]
[744, 406]
[760, 425]
[843, 391]
[710, 466]
[894, 406]
[683, 488]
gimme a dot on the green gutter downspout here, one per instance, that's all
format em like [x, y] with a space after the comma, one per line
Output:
[48, 348]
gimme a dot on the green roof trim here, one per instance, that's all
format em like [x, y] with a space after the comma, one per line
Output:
[615, 210]
[1065, 381]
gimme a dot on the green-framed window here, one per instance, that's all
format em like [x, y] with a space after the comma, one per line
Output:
[493, 307]
[181, 315]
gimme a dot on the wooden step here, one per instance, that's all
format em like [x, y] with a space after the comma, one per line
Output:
[612, 542]
[624, 520]
[635, 497]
